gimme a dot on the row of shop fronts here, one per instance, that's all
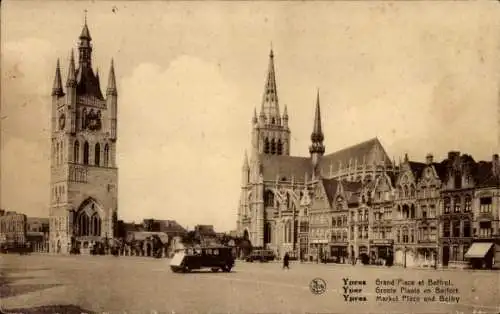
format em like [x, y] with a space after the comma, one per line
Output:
[476, 253]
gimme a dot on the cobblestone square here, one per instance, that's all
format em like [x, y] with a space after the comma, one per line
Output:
[75, 284]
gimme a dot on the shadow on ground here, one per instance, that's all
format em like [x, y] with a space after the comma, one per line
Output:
[66, 309]
[7, 291]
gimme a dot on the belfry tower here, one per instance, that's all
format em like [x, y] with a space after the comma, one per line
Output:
[83, 196]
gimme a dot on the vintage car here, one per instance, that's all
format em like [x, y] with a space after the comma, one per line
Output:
[261, 256]
[213, 257]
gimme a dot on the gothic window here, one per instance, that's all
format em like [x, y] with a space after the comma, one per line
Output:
[280, 148]
[412, 211]
[266, 146]
[84, 114]
[456, 204]
[106, 155]
[485, 204]
[61, 152]
[468, 202]
[57, 153]
[405, 235]
[267, 233]
[269, 198]
[273, 147]
[97, 153]
[86, 153]
[447, 205]
[76, 152]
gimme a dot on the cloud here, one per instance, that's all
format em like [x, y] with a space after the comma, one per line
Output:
[180, 131]
[24, 167]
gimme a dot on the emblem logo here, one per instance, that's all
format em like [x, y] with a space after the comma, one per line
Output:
[317, 286]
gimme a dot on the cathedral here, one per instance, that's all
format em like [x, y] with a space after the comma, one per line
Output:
[277, 188]
[84, 176]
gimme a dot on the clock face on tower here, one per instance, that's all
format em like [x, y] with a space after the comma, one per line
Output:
[62, 121]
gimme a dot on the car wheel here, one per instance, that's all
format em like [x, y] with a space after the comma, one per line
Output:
[215, 269]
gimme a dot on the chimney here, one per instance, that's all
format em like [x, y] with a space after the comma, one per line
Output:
[429, 159]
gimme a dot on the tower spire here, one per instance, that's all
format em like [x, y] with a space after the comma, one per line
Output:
[317, 136]
[71, 81]
[57, 86]
[317, 149]
[85, 47]
[270, 104]
[111, 81]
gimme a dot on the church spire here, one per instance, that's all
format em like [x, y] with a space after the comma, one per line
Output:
[111, 81]
[317, 136]
[317, 149]
[71, 81]
[270, 105]
[57, 89]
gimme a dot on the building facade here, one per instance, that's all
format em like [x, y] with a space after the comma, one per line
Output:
[12, 228]
[356, 204]
[83, 198]
[277, 188]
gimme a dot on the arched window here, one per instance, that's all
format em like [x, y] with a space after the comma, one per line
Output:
[273, 147]
[447, 205]
[266, 146]
[456, 204]
[76, 151]
[269, 198]
[86, 153]
[106, 155]
[97, 154]
[280, 148]
[84, 114]
[61, 152]
[57, 153]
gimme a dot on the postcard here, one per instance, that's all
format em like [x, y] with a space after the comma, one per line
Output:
[250, 157]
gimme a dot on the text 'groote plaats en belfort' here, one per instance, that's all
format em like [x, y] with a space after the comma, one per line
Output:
[400, 290]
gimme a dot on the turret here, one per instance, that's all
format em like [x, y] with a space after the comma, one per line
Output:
[111, 101]
[245, 171]
[285, 118]
[71, 93]
[57, 89]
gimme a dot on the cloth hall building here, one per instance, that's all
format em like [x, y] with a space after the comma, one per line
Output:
[358, 204]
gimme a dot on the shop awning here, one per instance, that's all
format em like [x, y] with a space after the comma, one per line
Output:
[478, 250]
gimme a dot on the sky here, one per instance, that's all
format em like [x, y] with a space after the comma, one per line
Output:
[421, 76]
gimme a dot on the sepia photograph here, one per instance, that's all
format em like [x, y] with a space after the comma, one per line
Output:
[250, 157]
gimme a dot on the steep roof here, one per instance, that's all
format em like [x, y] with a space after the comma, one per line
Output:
[484, 176]
[88, 83]
[330, 186]
[285, 166]
[370, 152]
[441, 169]
[417, 168]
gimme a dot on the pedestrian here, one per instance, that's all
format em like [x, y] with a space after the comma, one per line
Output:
[286, 261]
